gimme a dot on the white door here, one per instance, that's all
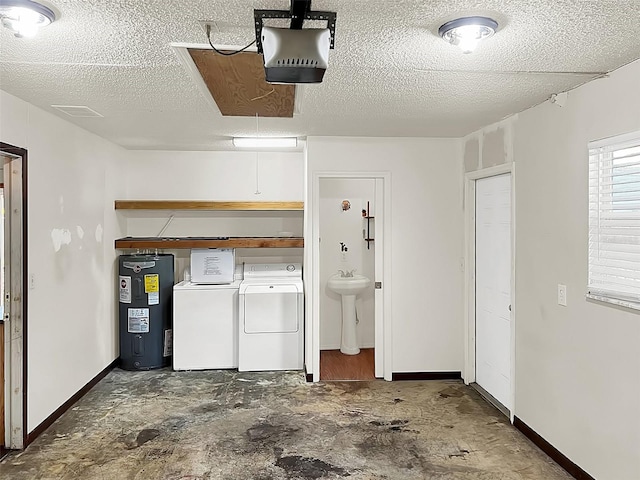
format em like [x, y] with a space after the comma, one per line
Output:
[493, 286]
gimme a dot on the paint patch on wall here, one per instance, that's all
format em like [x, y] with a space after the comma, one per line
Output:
[59, 237]
[472, 155]
[99, 233]
[494, 150]
[80, 232]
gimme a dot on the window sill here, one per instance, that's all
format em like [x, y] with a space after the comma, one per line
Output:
[614, 301]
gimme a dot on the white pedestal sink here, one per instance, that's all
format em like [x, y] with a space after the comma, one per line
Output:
[348, 288]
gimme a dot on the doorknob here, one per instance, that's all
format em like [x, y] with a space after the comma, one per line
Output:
[509, 307]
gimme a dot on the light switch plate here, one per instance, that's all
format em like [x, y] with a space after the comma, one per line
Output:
[562, 295]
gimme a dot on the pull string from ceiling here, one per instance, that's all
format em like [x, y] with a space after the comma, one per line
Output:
[219, 52]
[257, 192]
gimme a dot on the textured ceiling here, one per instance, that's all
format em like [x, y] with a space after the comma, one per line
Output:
[389, 75]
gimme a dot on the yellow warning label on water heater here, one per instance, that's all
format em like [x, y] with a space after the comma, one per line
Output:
[151, 284]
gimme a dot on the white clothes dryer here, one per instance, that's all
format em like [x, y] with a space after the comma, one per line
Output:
[271, 317]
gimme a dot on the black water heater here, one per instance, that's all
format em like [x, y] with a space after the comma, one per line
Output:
[145, 285]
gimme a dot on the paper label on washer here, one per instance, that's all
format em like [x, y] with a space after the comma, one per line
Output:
[153, 298]
[151, 283]
[168, 343]
[138, 320]
[125, 289]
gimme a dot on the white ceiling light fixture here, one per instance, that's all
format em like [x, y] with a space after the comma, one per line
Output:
[467, 32]
[265, 142]
[24, 17]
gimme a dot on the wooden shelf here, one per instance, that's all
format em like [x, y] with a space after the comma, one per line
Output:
[205, 205]
[201, 242]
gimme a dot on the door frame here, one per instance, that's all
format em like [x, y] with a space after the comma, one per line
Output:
[469, 373]
[382, 302]
[16, 355]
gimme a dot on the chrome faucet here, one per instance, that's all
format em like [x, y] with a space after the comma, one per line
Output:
[348, 273]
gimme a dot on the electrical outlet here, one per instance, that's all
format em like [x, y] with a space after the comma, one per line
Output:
[32, 281]
[562, 295]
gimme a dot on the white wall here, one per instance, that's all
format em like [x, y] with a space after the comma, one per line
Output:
[577, 380]
[72, 182]
[426, 240]
[217, 176]
[338, 226]
[224, 176]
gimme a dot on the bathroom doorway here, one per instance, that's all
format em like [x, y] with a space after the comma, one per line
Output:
[347, 238]
[347, 251]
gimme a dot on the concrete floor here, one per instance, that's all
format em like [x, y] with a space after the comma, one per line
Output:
[267, 426]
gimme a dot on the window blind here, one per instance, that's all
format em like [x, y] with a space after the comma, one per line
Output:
[614, 217]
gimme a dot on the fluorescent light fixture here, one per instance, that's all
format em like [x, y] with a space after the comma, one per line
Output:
[24, 17]
[265, 142]
[467, 32]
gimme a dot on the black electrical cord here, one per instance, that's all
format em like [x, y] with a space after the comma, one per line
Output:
[226, 54]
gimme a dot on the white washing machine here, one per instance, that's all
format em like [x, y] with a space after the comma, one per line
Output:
[271, 317]
[205, 326]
